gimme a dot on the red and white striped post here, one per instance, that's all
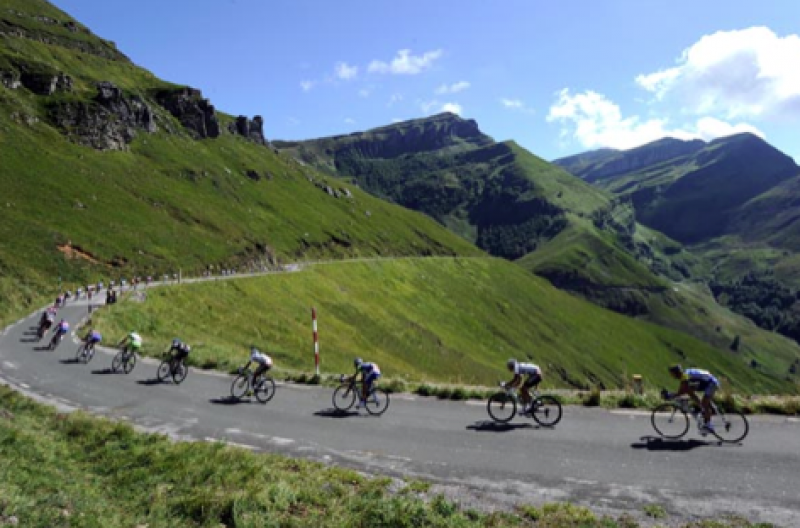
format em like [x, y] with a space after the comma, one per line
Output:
[316, 339]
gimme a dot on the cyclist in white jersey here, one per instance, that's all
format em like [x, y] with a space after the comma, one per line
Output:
[534, 377]
[263, 360]
[692, 380]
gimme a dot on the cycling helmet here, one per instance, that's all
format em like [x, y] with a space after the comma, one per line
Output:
[511, 363]
[176, 342]
[357, 362]
[676, 369]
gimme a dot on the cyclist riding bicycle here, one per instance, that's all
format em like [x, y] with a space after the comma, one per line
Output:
[92, 338]
[131, 342]
[534, 373]
[263, 360]
[370, 372]
[692, 380]
[181, 350]
[61, 329]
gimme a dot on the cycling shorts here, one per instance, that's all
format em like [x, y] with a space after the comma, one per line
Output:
[372, 377]
[532, 381]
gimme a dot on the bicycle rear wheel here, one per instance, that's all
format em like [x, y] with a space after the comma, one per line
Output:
[669, 421]
[164, 370]
[240, 385]
[377, 402]
[179, 372]
[344, 397]
[730, 427]
[118, 361]
[501, 407]
[546, 411]
[265, 389]
[128, 362]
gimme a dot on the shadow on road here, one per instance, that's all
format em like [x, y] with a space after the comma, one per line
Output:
[152, 381]
[104, 371]
[70, 361]
[654, 443]
[336, 413]
[230, 400]
[30, 340]
[497, 427]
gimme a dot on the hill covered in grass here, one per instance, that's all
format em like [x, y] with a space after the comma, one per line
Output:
[446, 320]
[108, 171]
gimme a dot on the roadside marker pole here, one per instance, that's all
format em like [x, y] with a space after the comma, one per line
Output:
[316, 339]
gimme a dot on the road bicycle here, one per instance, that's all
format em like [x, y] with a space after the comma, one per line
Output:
[263, 387]
[55, 341]
[671, 420]
[173, 367]
[344, 397]
[502, 407]
[85, 353]
[124, 361]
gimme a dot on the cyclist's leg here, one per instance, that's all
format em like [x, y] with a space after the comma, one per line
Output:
[530, 383]
[262, 368]
[705, 405]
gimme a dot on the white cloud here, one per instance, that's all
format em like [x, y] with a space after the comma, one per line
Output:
[454, 108]
[346, 72]
[512, 103]
[349, 121]
[595, 121]
[397, 120]
[307, 85]
[405, 64]
[743, 73]
[453, 88]
[365, 92]
[394, 98]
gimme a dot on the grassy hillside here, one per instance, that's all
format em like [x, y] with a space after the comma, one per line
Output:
[455, 320]
[165, 199]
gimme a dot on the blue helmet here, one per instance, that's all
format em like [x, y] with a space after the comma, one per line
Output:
[357, 362]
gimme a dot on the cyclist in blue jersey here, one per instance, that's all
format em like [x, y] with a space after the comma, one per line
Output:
[534, 378]
[370, 372]
[692, 380]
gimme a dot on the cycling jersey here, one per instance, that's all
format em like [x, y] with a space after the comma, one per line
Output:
[528, 369]
[370, 368]
[699, 377]
[95, 337]
[62, 328]
[260, 358]
[135, 340]
[50, 317]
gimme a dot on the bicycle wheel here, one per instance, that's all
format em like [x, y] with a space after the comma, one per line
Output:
[669, 421]
[730, 427]
[501, 407]
[546, 411]
[164, 370]
[240, 385]
[89, 354]
[118, 361]
[344, 397]
[264, 390]
[80, 353]
[377, 402]
[128, 362]
[180, 372]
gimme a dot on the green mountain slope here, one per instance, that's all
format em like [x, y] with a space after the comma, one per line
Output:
[108, 171]
[395, 313]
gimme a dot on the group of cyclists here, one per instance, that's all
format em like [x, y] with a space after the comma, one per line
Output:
[692, 380]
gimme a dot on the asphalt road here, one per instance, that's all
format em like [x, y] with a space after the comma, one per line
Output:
[607, 460]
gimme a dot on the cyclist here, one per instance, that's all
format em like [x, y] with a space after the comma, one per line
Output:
[132, 342]
[263, 360]
[181, 350]
[692, 380]
[534, 373]
[61, 329]
[370, 372]
[47, 320]
[92, 338]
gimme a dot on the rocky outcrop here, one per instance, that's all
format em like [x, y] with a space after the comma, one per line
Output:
[252, 129]
[42, 83]
[194, 112]
[109, 122]
[10, 79]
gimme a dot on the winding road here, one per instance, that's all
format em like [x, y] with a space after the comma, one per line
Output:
[606, 460]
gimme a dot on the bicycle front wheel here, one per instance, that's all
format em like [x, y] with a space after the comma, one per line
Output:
[669, 421]
[164, 370]
[240, 385]
[128, 362]
[79, 355]
[265, 390]
[377, 402]
[730, 427]
[344, 397]
[546, 411]
[180, 372]
[117, 362]
[501, 407]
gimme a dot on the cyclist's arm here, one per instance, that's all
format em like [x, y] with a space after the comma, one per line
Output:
[684, 388]
[515, 381]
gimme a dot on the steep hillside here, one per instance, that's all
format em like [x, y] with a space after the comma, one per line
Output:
[395, 313]
[690, 190]
[108, 171]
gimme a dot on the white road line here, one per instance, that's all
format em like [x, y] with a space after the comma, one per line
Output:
[9, 365]
[631, 412]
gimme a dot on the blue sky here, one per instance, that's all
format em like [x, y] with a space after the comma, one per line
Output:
[557, 77]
